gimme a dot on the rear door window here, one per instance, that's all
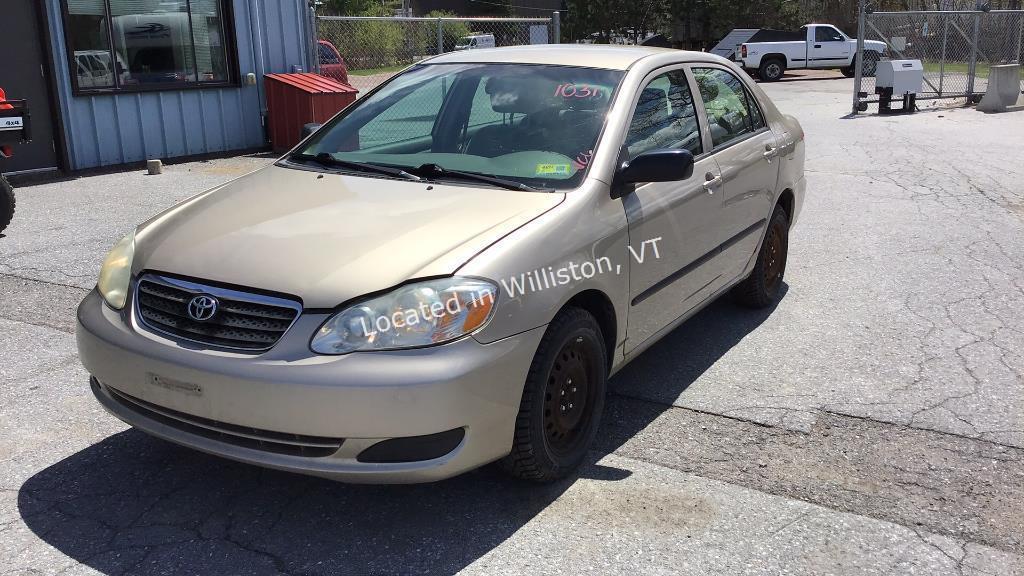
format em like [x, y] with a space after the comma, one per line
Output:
[729, 114]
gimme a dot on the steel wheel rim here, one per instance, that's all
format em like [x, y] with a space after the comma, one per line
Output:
[568, 399]
[773, 70]
[774, 258]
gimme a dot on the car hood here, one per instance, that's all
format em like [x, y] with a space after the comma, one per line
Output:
[328, 238]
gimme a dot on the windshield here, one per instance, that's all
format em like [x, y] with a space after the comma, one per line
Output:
[533, 124]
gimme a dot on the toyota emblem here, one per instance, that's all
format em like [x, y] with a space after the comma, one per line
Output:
[202, 307]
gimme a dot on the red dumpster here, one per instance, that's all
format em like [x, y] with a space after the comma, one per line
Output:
[297, 99]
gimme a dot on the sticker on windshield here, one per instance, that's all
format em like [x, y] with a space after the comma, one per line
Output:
[571, 90]
[583, 159]
[553, 170]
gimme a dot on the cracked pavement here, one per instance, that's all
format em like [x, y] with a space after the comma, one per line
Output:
[871, 423]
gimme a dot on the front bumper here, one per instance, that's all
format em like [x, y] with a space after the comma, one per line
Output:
[362, 398]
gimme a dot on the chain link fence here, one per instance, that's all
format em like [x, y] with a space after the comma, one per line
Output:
[956, 48]
[374, 49]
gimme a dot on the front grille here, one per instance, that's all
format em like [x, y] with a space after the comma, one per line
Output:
[242, 321]
[243, 436]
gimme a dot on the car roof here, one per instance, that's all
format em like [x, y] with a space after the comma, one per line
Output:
[606, 56]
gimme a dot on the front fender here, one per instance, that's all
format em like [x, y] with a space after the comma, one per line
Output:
[534, 265]
[874, 46]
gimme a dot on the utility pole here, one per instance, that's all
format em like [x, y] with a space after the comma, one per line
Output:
[858, 68]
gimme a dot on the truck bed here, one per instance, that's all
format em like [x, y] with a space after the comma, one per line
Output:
[769, 35]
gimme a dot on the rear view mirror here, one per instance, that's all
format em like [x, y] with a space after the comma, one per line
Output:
[657, 166]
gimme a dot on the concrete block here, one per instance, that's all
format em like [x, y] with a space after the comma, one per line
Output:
[1003, 88]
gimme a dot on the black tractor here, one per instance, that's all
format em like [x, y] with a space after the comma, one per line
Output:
[14, 129]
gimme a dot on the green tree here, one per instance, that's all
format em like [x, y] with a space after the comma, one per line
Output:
[490, 8]
[358, 7]
[607, 21]
[450, 30]
[694, 23]
[344, 7]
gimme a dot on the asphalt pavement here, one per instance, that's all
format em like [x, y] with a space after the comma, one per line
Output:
[871, 423]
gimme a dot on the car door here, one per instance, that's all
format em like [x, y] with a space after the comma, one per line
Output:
[745, 149]
[829, 48]
[673, 226]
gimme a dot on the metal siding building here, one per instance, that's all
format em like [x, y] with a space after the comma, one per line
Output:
[105, 129]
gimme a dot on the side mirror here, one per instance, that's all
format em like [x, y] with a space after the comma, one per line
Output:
[308, 129]
[656, 166]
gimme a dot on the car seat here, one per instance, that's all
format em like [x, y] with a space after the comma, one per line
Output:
[509, 95]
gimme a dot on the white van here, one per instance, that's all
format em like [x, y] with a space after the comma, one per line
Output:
[474, 41]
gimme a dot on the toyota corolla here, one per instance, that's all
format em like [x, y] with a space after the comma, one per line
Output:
[447, 272]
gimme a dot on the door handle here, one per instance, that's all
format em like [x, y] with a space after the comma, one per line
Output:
[817, 45]
[710, 181]
[769, 153]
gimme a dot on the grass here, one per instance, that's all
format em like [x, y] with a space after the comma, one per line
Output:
[381, 70]
[980, 69]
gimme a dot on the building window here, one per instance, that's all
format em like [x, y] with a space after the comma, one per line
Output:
[147, 44]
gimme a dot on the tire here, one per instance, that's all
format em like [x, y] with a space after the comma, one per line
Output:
[762, 287]
[553, 433]
[849, 71]
[771, 70]
[6, 203]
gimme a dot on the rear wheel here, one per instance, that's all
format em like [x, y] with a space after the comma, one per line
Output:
[562, 401]
[6, 203]
[771, 70]
[762, 287]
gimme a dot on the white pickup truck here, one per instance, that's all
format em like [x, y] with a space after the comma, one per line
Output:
[772, 52]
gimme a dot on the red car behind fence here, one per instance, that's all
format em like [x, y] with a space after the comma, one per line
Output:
[332, 64]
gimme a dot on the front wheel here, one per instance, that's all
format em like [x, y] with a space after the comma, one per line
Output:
[6, 203]
[762, 287]
[562, 401]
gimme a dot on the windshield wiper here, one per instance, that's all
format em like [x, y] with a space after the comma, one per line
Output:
[436, 171]
[329, 161]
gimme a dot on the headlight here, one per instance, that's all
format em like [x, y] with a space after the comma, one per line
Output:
[419, 314]
[116, 273]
